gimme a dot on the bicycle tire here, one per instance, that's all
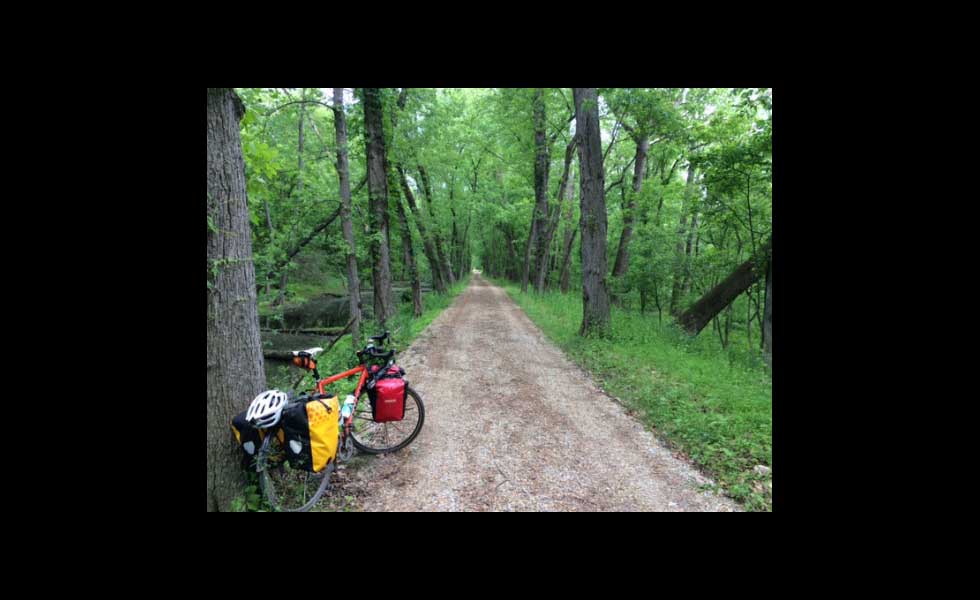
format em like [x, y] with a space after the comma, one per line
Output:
[362, 447]
[268, 485]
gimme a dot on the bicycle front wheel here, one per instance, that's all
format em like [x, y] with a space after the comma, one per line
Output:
[372, 437]
[287, 489]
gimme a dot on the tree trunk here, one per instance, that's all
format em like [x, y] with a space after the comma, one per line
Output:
[377, 170]
[455, 246]
[567, 260]
[716, 299]
[343, 173]
[552, 222]
[283, 276]
[531, 237]
[639, 169]
[299, 147]
[675, 294]
[430, 254]
[767, 315]
[235, 366]
[268, 221]
[447, 269]
[542, 165]
[406, 233]
[540, 189]
[592, 203]
[688, 257]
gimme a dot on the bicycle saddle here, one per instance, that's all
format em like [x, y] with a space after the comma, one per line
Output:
[308, 352]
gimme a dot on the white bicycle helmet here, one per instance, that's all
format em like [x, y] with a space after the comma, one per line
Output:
[265, 410]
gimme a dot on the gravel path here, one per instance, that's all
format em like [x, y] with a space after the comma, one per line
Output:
[512, 425]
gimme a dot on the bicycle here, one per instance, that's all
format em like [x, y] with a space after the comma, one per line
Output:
[281, 485]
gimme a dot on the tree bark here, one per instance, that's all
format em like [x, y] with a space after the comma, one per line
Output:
[268, 222]
[406, 233]
[688, 256]
[235, 364]
[447, 269]
[592, 203]
[542, 167]
[531, 237]
[455, 244]
[377, 169]
[567, 260]
[639, 169]
[430, 254]
[715, 300]
[767, 315]
[300, 144]
[675, 293]
[552, 225]
[343, 173]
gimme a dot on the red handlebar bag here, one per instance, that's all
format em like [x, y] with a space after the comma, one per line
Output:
[388, 396]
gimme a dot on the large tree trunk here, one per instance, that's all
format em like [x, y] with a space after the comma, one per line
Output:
[447, 269]
[592, 203]
[235, 366]
[343, 173]
[377, 170]
[540, 187]
[406, 233]
[542, 165]
[679, 257]
[552, 226]
[639, 169]
[767, 314]
[716, 299]
[430, 254]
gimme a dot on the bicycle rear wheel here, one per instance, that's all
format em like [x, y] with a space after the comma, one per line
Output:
[287, 489]
[372, 437]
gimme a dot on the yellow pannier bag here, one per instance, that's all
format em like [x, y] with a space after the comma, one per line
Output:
[311, 431]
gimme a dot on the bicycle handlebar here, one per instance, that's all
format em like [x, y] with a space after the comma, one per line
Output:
[373, 352]
[381, 338]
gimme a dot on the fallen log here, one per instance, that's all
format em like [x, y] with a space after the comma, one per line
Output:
[325, 331]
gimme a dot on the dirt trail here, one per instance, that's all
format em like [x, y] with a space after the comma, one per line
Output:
[512, 425]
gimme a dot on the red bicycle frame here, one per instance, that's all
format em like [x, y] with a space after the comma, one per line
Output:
[322, 384]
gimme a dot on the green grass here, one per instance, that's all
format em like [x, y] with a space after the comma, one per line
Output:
[715, 410]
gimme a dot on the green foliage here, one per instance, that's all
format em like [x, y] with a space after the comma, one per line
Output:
[403, 327]
[718, 413]
[252, 500]
[477, 148]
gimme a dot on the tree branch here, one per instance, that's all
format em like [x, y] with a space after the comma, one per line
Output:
[623, 176]
[281, 106]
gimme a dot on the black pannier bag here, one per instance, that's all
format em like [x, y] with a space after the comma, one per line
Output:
[311, 433]
[249, 437]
